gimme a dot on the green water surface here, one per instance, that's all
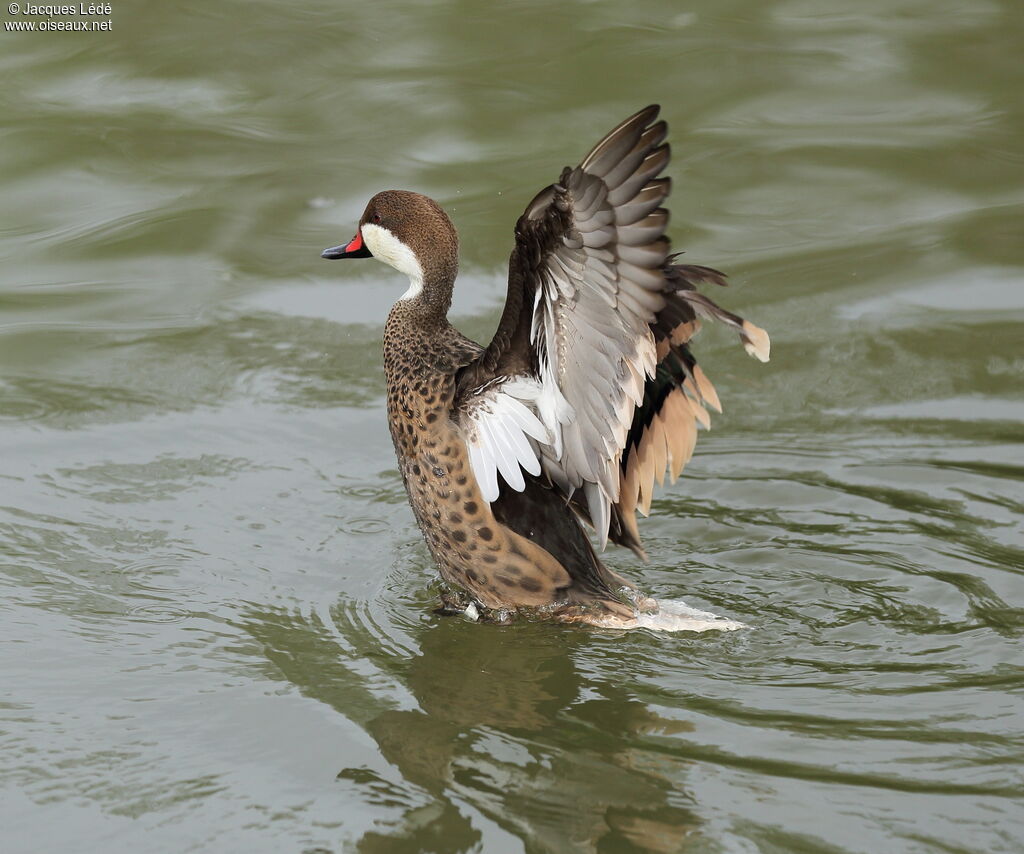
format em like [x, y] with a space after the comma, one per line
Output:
[216, 627]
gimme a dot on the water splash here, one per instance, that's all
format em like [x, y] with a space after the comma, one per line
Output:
[672, 615]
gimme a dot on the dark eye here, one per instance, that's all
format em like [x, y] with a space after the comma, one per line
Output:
[375, 218]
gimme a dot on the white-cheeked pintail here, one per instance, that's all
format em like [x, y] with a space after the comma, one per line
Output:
[587, 395]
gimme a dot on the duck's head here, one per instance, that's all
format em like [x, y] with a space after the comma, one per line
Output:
[409, 232]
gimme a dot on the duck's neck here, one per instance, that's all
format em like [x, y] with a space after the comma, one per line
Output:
[417, 333]
[429, 295]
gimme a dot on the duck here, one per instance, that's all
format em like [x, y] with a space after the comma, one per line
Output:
[516, 454]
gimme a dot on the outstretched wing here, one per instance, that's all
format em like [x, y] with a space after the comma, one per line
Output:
[592, 339]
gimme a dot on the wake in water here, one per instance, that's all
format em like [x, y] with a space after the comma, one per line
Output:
[664, 615]
[670, 615]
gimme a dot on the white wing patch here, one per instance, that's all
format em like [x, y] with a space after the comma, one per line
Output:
[502, 432]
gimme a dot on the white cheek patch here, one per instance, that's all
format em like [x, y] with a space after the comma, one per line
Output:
[389, 249]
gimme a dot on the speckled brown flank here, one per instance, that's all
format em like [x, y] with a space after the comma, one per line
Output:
[434, 463]
[472, 549]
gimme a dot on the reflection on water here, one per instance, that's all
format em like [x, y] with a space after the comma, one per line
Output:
[216, 611]
[508, 727]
